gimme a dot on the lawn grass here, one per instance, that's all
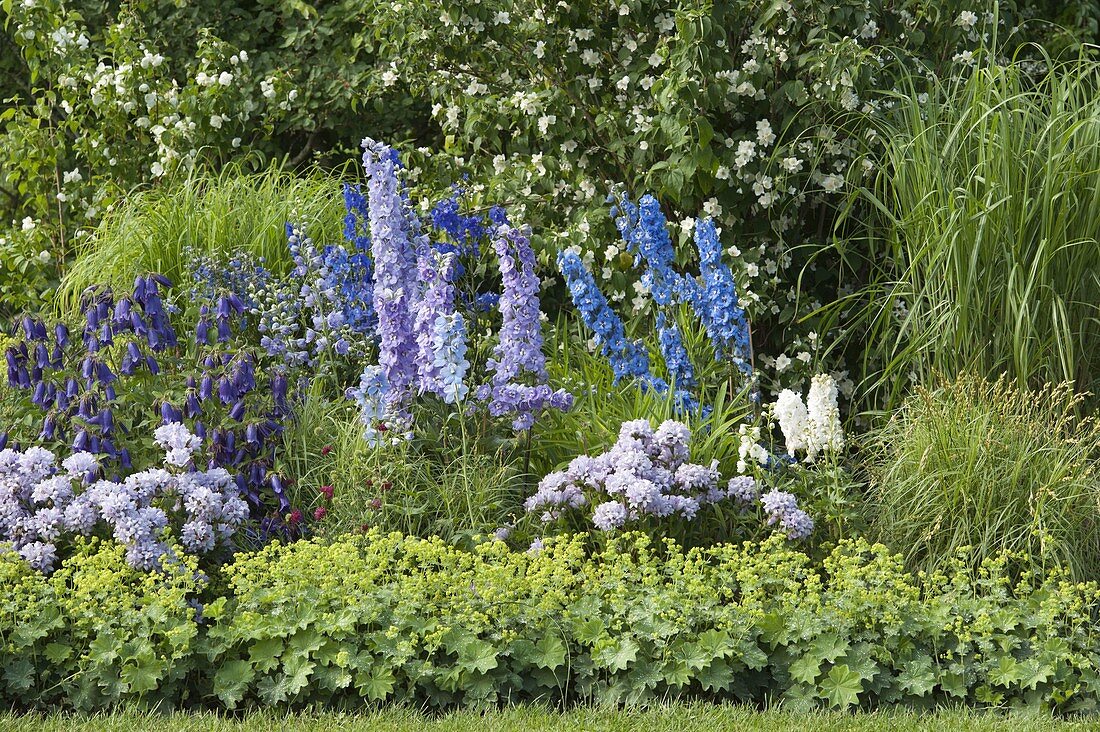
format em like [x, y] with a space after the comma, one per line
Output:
[672, 718]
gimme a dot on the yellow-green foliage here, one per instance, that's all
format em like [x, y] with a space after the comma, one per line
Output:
[96, 631]
[385, 617]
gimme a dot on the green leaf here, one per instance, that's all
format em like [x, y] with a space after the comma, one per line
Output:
[477, 655]
[142, 677]
[589, 631]
[549, 652]
[616, 656]
[829, 647]
[917, 677]
[232, 680]
[19, 674]
[58, 652]
[264, 654]
[806, 669]
[717, 676]
[378, 684]
[841, 687]
[1006, 673]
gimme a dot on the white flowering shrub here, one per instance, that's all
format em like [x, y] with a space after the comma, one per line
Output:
[724, 110]
[98, 119]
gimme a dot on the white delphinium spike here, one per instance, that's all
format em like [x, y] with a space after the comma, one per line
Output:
[824, 433]
[793, 419]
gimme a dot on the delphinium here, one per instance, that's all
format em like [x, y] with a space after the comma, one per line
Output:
[647, 476]
[812, 427]
[716, 302]
[711, 297]
[422, 330]
[519, 385]
[628, 357]
[645, 232]
[395, 285]
[43, 506]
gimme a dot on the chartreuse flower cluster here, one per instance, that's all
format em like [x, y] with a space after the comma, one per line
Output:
[379, 618]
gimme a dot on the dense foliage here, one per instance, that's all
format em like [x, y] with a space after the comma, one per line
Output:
[388, 617]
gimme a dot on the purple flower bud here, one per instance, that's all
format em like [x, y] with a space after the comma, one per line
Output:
[170, 414]
[157, 277]
[139, 288]
[239, 457]
[224, 331]
[200, 430]
[209, 362]
[206, 389]
[58, 359]
[49, 426]
[192, 408]
[106, 335]
[87, 368]
[124, 458]
[251, 435]
[222, 308]
[72, 388]
[82, 441]
[226, 392]
[107, 447]
[202, 332]
[106, 421]
[109, 391]
[3, 440]
[152, 365]
[230, 440]
[237, 411]
[42, 356]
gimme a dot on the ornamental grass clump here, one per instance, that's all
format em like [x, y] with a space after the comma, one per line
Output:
[992, 466]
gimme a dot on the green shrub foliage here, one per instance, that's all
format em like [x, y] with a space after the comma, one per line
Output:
[382, 618]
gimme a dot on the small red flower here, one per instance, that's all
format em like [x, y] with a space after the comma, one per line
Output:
[369, 483]
[387, 486]
[319, 513]
[364, 528]
[294, 518]
[326, 450]
[382, 427]
[376, 503]
[327, 491]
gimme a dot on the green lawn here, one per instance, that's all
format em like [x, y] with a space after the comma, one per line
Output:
[531, 719]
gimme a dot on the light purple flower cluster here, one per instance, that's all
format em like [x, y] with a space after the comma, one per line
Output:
[395, 286]
[41, 505]
[647, 473]
[422, 337]
[437, 272]
[782, 509]
[518, 354]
